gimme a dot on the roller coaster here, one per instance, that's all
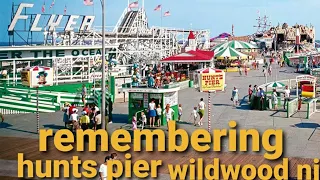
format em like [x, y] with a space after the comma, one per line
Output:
[130, 41]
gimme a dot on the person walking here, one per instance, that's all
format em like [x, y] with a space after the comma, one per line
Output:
[159, 115]
[261, 96]
[84, 94]
[269, 70]
[103, 170]
[143, 120]
[152, 113]
[180, 112]
[235, 96]
[286, 96]
[168, 113]
[201, 107]
[245, 70]
[113, 157]
[274, 98]
[134, 123]
[240, 70]
[250, 91]
[74, 119]
[84, 120]
[194, 115]
[97, 121]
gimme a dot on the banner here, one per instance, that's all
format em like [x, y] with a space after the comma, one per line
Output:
[212, 81]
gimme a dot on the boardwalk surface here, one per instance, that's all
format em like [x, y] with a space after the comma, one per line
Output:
[301, 136]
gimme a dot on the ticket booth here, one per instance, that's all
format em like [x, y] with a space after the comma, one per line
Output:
[139, 99]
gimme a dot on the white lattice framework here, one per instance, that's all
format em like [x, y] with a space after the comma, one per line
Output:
[130, 41]
[137, 43]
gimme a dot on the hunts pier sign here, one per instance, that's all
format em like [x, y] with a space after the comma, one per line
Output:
[53, 22]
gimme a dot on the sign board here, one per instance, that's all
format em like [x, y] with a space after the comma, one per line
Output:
[145, 100]
[136, 95]
[155, 96]
[212, 81]
[34, 54]
[171, 98]
[37, 76]
[53, 22]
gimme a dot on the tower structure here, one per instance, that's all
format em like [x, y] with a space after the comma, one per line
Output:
[192, 44]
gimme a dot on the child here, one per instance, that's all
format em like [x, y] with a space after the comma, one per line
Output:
[159, 113]
[194, 114]
[180, 112]
[134, 123]
[143, 119]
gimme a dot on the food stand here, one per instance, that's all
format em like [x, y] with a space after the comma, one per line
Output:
[139, 99]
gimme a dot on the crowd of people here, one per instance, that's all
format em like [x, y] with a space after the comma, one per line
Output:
[90, 117]
[155, 114]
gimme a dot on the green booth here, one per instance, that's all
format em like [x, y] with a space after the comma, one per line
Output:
[139, 99]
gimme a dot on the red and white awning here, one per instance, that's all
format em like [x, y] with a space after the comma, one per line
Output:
[209, 70]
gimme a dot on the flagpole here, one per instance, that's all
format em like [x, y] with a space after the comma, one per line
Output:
[103, 84]
[161, 15]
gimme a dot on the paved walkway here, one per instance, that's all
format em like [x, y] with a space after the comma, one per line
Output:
[302, 136]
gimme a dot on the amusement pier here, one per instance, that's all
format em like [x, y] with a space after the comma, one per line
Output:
[268, 79]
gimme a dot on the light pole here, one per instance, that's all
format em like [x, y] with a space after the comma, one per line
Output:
[103, 84]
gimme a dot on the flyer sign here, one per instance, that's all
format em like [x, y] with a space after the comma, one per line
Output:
[212, 81]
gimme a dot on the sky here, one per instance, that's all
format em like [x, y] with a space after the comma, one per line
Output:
[215, 15]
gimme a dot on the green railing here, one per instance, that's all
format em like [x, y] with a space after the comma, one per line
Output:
[311, 107]
[292, 107]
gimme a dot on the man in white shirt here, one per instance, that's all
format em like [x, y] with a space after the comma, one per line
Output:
[103, 170]
[201, 107]
[286, 96]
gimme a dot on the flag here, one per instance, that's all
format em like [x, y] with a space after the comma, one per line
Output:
[88, 2]
[43, 9]
[167, 14]
[158, 8]
[52, 4]
[65, 10]
[134, 5]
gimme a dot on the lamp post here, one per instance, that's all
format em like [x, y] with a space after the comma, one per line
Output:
[103, 84]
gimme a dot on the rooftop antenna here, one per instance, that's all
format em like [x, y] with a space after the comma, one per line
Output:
[232, 32]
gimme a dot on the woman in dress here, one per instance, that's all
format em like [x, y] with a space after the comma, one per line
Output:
[235, 96]
[152, 113]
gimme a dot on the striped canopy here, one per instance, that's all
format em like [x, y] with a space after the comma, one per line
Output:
[231, 53]
[235, 45]
[276, 84]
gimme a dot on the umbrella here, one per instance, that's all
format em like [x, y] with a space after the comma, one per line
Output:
[231, 53]
[235, 44]
[275, 84]
[241, 45]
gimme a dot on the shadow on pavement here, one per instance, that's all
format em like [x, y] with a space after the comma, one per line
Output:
[120, 118]
[53, 126]
[8, 126]
[222, 104]
[307, 125]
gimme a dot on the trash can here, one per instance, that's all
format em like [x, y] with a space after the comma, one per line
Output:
[191, 83]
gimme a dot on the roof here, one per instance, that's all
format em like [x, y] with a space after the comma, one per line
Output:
[191, 35]
[210, 70]
[191, 56]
